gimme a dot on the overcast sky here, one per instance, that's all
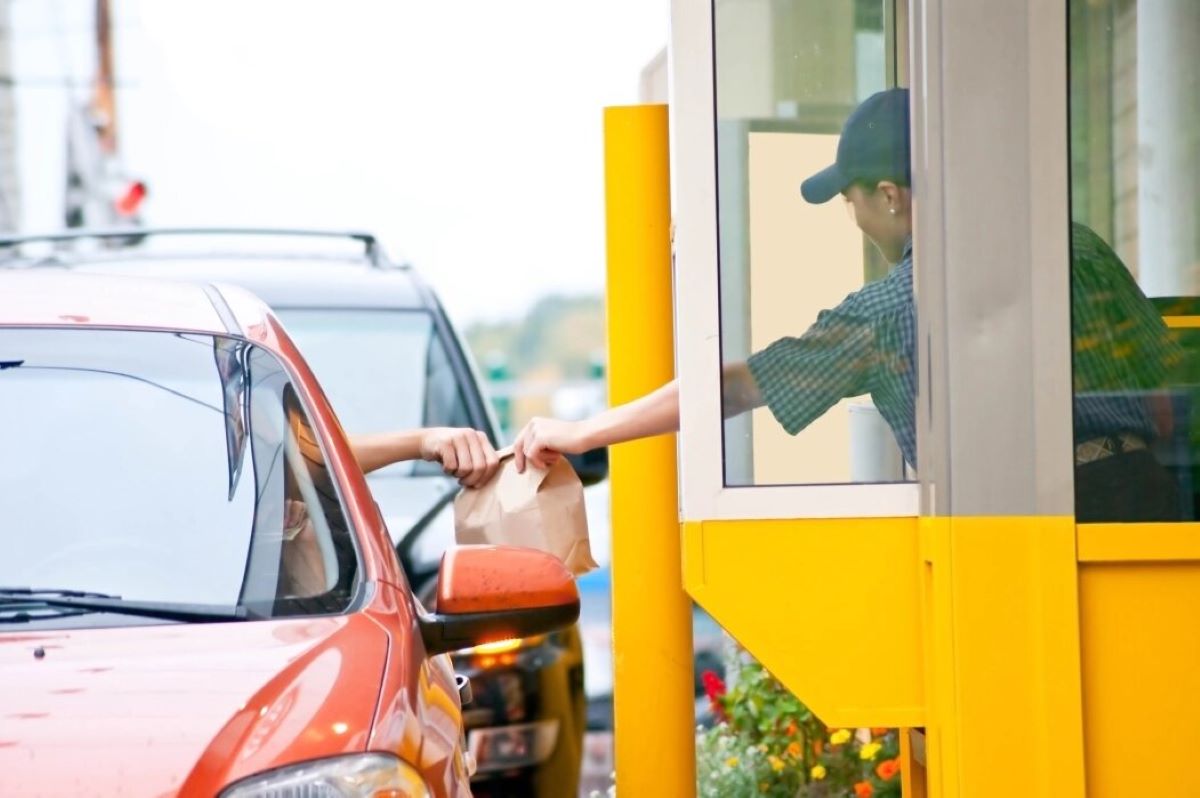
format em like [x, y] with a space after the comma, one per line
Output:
[467, 134]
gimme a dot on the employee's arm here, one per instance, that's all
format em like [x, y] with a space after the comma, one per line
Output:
[543, 439]
[739, 391]
[656, 413]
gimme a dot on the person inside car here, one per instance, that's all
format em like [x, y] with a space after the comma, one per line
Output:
[464, 453]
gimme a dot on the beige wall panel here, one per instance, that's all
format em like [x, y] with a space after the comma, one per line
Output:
[803, 258]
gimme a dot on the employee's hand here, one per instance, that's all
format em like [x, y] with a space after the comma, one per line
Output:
[463, 453]
[544, 440]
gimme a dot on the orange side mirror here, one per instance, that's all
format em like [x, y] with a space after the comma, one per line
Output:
[489, 593]
[490, 578]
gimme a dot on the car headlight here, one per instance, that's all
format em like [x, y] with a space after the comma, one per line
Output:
[353, 776]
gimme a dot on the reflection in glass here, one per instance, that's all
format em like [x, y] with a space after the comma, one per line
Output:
[383, 370]
[117, 477]
[835, 400]
[230, 358]
[1135, 154]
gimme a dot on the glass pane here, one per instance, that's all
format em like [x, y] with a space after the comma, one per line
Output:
[183, 470]
[1135, 257]
[819, 375]
[382, 370]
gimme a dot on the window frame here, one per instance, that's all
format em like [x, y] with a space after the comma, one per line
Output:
[703, 492]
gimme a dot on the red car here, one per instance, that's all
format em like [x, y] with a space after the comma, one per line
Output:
[198, 595]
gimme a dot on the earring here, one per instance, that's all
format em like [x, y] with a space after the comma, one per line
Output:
[892, 211]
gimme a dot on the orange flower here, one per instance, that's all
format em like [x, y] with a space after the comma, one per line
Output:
[888, 769]
[879, 732]
[794, 750]
[792, 728]
[863, 789]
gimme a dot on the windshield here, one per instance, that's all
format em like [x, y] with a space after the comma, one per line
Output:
[382, 370]
[165, 467]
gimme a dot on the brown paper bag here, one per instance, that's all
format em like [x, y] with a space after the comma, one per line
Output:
[540, 509]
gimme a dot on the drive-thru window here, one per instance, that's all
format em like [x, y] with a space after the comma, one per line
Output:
[1030, 536]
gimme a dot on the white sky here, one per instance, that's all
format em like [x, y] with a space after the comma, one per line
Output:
[467, 134]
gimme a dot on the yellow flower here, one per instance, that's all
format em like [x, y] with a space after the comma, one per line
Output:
[731, 762]
[869, 751]
[818, 772]
[839, 737]
[776, 763]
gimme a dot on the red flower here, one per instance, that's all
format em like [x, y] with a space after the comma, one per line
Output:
[714, 688]
[888, 769]
[863, 789]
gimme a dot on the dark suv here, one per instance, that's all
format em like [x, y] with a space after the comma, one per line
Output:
[380, 345]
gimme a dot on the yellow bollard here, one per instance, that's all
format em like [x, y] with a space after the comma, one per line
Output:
[654, 707]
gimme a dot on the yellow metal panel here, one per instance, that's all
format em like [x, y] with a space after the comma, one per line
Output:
[1015, 708]
[654, 706]
[1141, 683]
[1002, 662]
[966, 626]
[913, 782]
[1184, 322]
[830, 607]
[942, 735]
[1138, 542]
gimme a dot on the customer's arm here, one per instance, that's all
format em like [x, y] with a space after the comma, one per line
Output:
[463, 453]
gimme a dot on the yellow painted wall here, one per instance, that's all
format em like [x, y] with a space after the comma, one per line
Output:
[830, 607]
[1139, 587]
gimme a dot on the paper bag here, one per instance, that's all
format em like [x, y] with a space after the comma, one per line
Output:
[540, 509]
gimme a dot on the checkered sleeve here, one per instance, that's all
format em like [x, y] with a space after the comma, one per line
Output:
[801, 378]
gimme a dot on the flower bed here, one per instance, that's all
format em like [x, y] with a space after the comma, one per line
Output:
[767, 743]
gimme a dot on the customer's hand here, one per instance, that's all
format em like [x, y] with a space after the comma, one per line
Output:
[544, 440]
[463, 453]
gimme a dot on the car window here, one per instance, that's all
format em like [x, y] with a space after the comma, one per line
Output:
[165, 467]
[381, 369]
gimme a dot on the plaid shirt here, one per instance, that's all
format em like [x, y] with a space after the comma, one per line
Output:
[1123, 350]
[867, 345]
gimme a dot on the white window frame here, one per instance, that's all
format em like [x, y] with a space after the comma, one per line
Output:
[703, 493]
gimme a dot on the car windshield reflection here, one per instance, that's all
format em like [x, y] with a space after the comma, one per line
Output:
[166, 467]
[383, 370]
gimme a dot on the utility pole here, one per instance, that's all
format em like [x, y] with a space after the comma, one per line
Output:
[104, 101]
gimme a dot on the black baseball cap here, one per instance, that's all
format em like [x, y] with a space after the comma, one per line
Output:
[873, 146]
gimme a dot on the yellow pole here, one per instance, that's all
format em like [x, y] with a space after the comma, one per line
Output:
[654, 707]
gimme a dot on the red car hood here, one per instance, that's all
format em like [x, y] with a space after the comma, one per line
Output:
[153, 710]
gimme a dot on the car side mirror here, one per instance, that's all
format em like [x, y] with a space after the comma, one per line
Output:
[491, 593]
[591, 466]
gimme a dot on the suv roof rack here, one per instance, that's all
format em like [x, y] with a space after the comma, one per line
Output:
[371, 246]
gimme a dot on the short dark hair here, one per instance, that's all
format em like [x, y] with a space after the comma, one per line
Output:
[869, 184]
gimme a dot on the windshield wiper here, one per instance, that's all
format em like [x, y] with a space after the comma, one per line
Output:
[103, 602]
